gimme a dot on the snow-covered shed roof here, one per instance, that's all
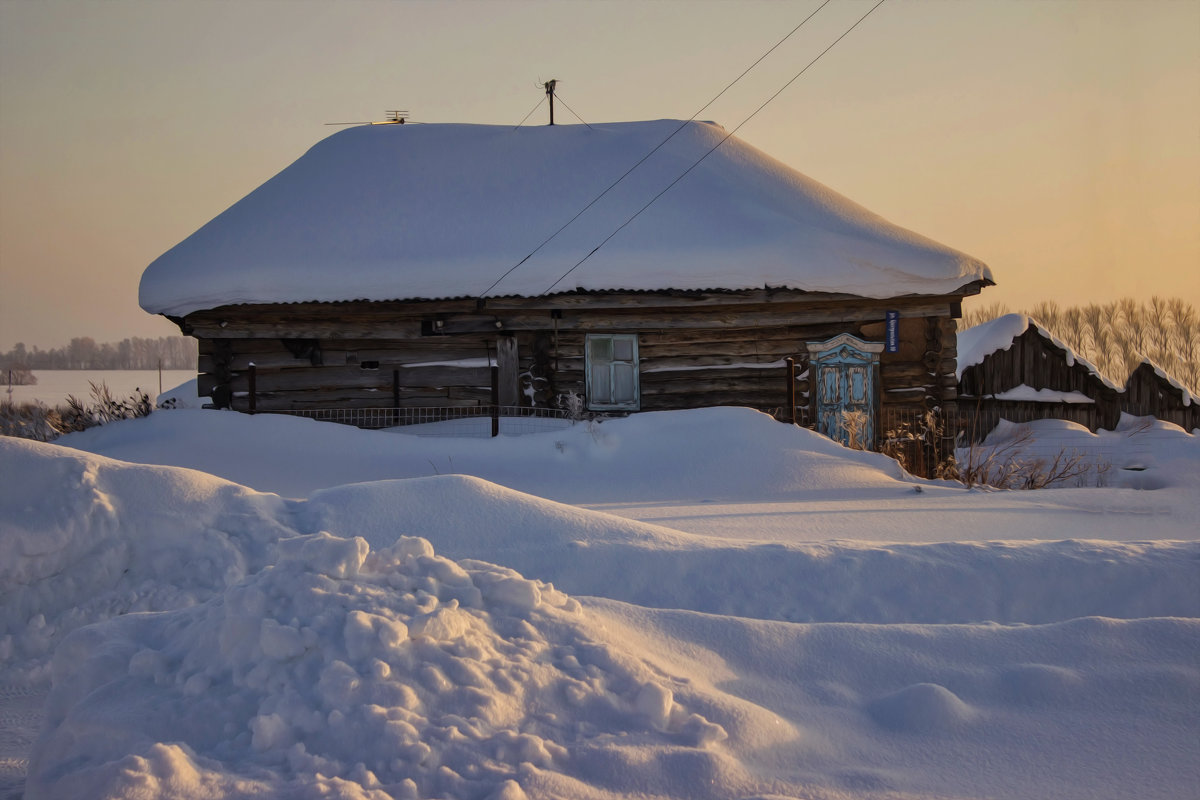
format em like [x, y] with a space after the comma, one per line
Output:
[392, 212]
[979, 341]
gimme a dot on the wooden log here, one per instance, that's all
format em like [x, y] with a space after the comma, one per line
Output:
[403, 353]
[772, 384]
[368, 322]
[680, 381]
[355, 377]
[461, 396]
[705, 399]
[507, 371]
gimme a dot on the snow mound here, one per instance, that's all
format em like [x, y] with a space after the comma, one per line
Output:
[921, 708]
[1142, 453]
[709, 453]
[185, 395]
[84, 538]
[361, 673]
[596, 554]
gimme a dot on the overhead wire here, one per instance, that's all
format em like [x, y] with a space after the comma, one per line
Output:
[656, 148]
[726, 138]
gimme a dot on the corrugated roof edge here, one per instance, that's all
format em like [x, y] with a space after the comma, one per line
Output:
[971, 287]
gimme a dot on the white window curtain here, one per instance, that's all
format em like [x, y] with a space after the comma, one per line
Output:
[612, 371]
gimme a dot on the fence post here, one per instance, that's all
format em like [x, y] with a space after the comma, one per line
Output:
[253, 377]
[395, 397]
[791, 388]
[495, 401]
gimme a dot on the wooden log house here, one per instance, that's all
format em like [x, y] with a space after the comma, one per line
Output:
[358, 278]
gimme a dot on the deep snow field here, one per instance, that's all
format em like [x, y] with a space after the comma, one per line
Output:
[701, 604]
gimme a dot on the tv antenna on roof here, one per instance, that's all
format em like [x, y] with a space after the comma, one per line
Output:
[394, 117]
[550, 84]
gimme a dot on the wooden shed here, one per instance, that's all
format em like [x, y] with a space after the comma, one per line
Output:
[1151, 392]
[1015, 369]
[391, 267]
[1012, 368]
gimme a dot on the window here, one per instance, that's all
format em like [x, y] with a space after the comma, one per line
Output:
[612, 371]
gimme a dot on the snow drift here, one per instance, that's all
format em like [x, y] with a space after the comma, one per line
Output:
[443, 635]
[387, 673]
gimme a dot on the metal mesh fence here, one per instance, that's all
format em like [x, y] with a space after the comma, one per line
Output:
[457, 421]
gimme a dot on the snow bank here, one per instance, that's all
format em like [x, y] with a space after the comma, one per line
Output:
[703, 454]
[446, 636]
[185, 395]
[433, 211]
[1142, 453]
[359, 673]
[341, 670]
[590, 553]
[124, 538]
[1089, 708]
[84, 538]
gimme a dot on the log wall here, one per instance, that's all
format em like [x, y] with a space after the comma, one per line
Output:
[1149, 394]
[695, 349]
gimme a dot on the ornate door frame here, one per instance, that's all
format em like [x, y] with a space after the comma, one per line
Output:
[844, 372]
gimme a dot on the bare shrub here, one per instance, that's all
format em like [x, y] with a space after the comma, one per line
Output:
[1009, 464]
[28, 421]
[914, 446]
[44, 424]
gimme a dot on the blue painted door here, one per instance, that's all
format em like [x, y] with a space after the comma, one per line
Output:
[845, 376]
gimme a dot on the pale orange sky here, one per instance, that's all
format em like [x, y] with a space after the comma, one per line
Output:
[1057, 141]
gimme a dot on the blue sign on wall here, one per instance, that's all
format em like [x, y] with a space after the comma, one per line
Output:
[892, 340]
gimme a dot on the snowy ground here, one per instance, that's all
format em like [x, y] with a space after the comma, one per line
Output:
[677, 605]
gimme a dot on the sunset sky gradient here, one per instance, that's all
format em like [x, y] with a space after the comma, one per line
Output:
[1058, 141]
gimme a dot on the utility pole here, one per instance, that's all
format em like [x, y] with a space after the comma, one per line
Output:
[550, 84]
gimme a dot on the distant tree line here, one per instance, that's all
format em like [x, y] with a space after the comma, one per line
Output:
[1116, 337]
[169, 352]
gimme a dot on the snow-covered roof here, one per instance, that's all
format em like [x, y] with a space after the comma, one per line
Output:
[979, 341]
[392, 212]
[1185, 394]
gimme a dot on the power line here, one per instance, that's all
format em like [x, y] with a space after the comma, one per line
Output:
[713, 148]
[657, 147]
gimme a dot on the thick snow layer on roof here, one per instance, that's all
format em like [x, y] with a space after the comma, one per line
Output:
[427, 211]
[977, 342]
